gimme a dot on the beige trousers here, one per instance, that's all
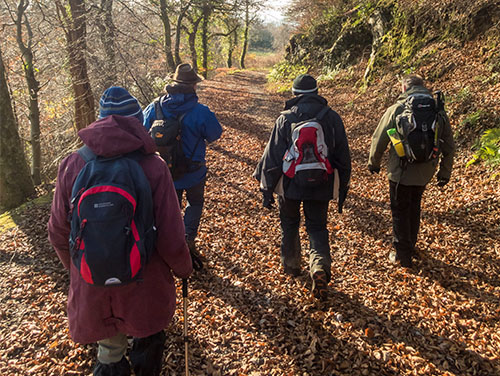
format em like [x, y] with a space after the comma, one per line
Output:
[111, 350]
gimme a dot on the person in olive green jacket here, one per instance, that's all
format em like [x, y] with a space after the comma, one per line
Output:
[408, 180]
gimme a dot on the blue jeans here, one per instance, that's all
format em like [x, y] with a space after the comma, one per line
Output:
[195, 197]
[316, 215]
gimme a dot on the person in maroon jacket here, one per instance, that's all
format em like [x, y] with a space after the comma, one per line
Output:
[142, 309]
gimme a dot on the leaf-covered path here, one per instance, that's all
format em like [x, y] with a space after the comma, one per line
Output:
[246, 317]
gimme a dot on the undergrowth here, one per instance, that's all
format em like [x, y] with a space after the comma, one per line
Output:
[281, 76]
[488, 148]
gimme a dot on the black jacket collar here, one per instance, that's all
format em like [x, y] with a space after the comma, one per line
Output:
[305, 98]
[306, 104]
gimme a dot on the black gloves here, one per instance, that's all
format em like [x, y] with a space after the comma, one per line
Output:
[342, 197]
[374, 170]
[268, 199]
[442, 182]
[195, 258]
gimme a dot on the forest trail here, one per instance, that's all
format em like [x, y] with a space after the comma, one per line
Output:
[245, 316]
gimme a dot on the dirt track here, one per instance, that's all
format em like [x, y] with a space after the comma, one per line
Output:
[246, 317]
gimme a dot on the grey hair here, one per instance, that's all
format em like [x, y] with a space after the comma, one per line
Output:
[412, 80]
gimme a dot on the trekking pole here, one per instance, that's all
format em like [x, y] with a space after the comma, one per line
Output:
[186, 340]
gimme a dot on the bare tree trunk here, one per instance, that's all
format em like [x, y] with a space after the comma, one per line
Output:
[192, 43]
[16, 185]
[167, 34]
[178, 29]
[207, 12]
[107, 31]
[33, 89]
[74, 25]
[178, 32]
[233, 41]
[245, 35]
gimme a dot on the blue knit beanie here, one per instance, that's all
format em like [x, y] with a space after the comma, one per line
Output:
[118, 101]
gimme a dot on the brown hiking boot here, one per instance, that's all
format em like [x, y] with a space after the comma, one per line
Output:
[319, 285]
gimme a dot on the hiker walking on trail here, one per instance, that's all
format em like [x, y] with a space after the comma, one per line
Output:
[419, 132]
[197, 125]
[126, 239]
[306, 161]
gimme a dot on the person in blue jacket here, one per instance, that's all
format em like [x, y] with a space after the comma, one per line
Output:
[199, 126]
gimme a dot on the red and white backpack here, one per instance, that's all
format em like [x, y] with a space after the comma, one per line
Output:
[306, 160]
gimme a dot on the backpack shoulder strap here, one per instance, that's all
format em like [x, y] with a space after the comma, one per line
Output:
[322, 113]
[86, 153]
[291, 117]
[158, 111]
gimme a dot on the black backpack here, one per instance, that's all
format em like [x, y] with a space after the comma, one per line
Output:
[112, 222]
[167, 135]
[419, 127]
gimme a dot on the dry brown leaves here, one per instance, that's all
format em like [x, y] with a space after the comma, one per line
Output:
[246, 317]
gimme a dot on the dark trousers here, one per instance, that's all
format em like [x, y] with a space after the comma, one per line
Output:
[195, 197]
[405, 208]
[146, 356]
[316, 214]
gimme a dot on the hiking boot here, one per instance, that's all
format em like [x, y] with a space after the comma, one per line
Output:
[294, 272]
[319, 285]
[121, 368]
[406, 262]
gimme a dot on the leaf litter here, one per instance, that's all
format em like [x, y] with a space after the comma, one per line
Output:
[245, 316]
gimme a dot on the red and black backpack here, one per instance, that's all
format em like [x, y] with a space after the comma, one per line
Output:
[112, 222]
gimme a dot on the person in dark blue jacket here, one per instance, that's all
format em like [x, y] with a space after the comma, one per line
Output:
[199, 126]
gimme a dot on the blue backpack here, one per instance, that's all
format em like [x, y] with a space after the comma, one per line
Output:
[112, 222]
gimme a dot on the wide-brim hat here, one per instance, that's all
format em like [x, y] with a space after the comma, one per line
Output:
[185, 74]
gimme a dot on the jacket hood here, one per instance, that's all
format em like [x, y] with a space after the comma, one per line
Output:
[115, 135]
[414, 90]
[305, 99]
[178, 103]
[308, 103]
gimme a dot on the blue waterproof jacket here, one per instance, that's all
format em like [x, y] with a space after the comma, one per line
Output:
[199, 126]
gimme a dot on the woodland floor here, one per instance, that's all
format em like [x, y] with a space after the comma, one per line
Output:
[245, 316]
